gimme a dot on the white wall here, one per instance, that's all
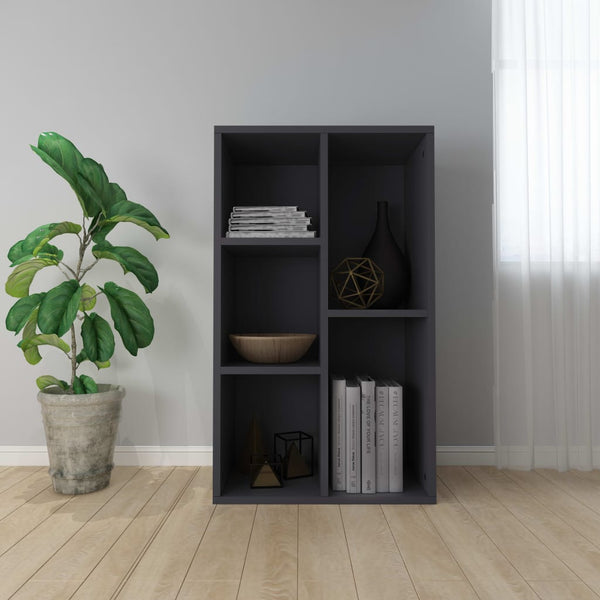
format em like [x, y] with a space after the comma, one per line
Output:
[139, 86]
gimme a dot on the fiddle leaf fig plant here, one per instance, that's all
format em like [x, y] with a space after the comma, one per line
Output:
[45, 317]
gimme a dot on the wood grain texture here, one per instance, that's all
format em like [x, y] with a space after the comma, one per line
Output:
[574, 550]
[368, 535]
[563, 590]
[122, 557]
[222, 552]
[208, 590]
[162, 569]
[85, 549]
[490, 573]
[24, 491]
[532, 559]
[12, 475]
[445, 590]
[271, 569]
[324, 569]
[565, 505]
[155, 534]
[426, 556]
[21, 561]
[585, 487]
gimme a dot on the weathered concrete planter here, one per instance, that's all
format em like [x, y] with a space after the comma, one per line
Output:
[81, 431]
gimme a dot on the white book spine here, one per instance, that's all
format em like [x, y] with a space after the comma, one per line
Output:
[244, 209]
[268, 227]
[382, 444]
[269, 221]
[270, 234]
[352, 437]
[396, 438]
[368, 454]
[338, 433]
[279, 215]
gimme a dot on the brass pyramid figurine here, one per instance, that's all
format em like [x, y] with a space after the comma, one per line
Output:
[264, 476]
[295, 464]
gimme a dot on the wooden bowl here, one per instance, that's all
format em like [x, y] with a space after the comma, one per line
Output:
[272, 347]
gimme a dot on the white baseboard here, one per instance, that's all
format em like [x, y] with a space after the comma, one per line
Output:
[145, 456]
[140, 456]
[466, 456]
[549, 457]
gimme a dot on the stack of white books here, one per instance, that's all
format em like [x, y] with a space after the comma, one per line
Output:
[366, 435]
[269, 222]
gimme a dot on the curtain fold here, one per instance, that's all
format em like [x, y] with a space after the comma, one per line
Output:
[546, 71]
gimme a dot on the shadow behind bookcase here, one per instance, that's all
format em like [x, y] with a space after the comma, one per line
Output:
[336, 174]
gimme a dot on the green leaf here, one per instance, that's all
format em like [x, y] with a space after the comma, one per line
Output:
[99, 228]
[52, 230]
[82, 356]
[132, 261]
[130, 212]
[47, 380]
[20, 279]
[21, 312]
[62, 155]
[131, 317]
[48, 251]
[89, 385]
[44, 339]
[32, 354]
[35, 244]
[98, 338]
[78, 387]
[88, 298]
[59, 308]
[93, 180]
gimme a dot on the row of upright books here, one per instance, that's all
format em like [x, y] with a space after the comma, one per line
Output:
[269, 222]
[366, 435]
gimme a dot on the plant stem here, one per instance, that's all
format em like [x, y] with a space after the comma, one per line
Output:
[84, 240]
[73, 355]
[88, 268]
[66, 266]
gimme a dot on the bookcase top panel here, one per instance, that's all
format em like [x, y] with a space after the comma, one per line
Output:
[421, 129]
[300, 144]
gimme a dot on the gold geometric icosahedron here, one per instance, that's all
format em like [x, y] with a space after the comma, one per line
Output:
[357, 282]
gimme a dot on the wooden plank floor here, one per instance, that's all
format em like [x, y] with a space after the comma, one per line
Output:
[155, 534]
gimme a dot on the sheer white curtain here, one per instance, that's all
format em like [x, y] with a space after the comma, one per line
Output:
[546, 67]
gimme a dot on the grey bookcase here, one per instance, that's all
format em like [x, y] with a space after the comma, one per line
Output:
[336, 174]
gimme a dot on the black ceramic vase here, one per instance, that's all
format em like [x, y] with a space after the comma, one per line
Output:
[389, 257]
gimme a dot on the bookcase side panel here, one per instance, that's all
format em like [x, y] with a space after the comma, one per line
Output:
[420, 223]
[225, 312]
[420, 361]
[224, 438]
[323, 319]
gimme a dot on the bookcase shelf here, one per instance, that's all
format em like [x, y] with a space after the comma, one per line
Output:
[246, 368]
[337, 174]
[377, 314]
[274, 247]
